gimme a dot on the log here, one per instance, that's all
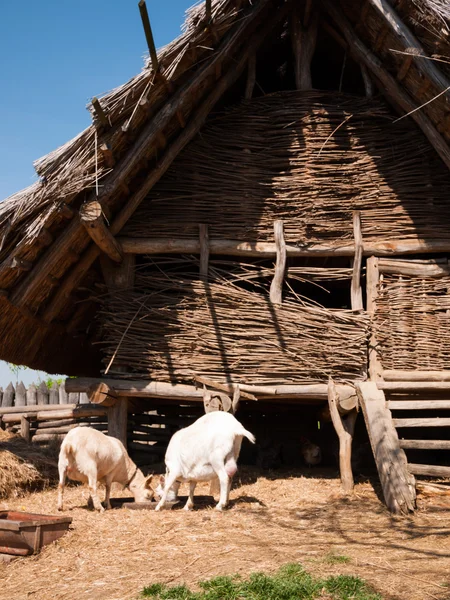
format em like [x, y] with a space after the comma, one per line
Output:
[42, 425]
[418, 404]
[356, 290]
[425, 444]
[8, 398]
[398, 375]
[32, 410]
[412, 45]
[372, 282]
[388, 85]
[21, 395]
[25, 428]
[204, 250]
[91, 216]
[101, 115]
[42, 393]
[412, 268]
[345, 430]
[101, 393]
[397, 484]
[117, 420]
[56, 430]
[41, 438]
[422, 422]
[414, 386]
[276, 287]
[224, 387]
[60, 413]
[430, 470]
[140, 150]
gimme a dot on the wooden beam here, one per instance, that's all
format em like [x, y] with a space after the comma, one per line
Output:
[368, 83]
[225, 387]
[410, 43]
[30, 410]
[413, 269]
[345, 429]
[103, 394]
[208, 11]
[418, 404]
[25, 428]
[91, 216]
[372, 282]
[425, 444]
[414, 386]
[388, 84]
[398, 375]
[356, 290]
[204, 250]
[303, 45]
[397, 484]
[31, 285]
[276, 287]
[19, 264]
[422, 422]
[149, 35]
[251, 77]
[74, 278]
[117, 420]
[119, 277]
[430, 470]
[101, 115]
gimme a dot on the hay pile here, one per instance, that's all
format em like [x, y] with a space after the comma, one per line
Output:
[25, 467]
[311, 159]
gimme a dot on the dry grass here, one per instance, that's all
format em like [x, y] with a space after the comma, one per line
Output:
[271, 522]
[24, 466]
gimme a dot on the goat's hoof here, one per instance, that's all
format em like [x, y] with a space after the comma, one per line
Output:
[188, 507]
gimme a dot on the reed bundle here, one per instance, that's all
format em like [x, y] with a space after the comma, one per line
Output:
[412, 323]
[173, 327]
[309, 158]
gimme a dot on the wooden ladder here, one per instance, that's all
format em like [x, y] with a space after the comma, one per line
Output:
[397, 481]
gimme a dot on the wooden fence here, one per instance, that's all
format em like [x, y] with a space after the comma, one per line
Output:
[37, 395]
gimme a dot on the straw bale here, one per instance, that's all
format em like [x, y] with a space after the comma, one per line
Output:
[309, 158]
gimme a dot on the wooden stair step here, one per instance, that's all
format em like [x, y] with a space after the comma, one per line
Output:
[422, 422]
[425, 444]
[431, 470]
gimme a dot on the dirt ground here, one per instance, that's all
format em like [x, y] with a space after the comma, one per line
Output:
[272, 521]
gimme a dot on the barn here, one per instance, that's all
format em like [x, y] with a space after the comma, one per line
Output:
[258, 222]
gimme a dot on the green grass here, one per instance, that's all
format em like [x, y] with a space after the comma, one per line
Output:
[335, 559]
[291, 582]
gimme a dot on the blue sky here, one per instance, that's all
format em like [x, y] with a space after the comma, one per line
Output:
[55, 56]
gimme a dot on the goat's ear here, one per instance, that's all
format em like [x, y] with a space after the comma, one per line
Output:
[148, 481]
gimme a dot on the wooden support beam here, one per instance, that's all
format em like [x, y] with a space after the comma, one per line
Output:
[100, 113]
[413, 269]
[414, 386]
[430, 470]
[103, 394]
[397, 483]
[303, 45]
[25, 428]
[356, 290]
[91, 216]
[149, 35]
[397, 375]
[372, 282]
[425, 444]
[276, 287]
[119, 277]
[108, 155]
[251, 77]
[204, 250]
[225, 387]
[74, 278]
[208, 11]
[345, 428]
[418, 404]
[19, 264]
[388, 84]
[117, 420]
[422, 422]
[368, 83]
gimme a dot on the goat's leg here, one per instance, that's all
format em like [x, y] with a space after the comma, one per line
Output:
[62, 467]
[108, 483]
[190, 501]
[170, 480]
[92, 479]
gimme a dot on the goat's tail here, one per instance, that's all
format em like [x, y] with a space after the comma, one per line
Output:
[251, 438]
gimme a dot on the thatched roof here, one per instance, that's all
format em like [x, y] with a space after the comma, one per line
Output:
[48, 262]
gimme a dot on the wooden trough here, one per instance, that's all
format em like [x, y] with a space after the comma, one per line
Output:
[24, 533]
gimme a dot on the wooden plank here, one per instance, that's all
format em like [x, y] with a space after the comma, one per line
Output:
[413, 269]
[204, 250]
[372, 282]
[418, 404]
[387, 83]
[397, 484]
[356, 290]
[91, 217]
[117, 420]
[398, 375]
[140, 149]
[422, 422]
[414, 386]
[425, 444]
[430, 470]
[276, 287]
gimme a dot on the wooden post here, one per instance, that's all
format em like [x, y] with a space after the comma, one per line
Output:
[8, 396]
[276, 287]
[42, 393]
[303, 45]
[25, 428]
[53, 394]
[63, 395]
[148, 35]
[91, 216]
[204, 250]
[21, 395]
[344, 428]
[101, 393]
[117, 420]
[119, 277]
[397, 483]
[356, 291]
[236, 398]
[251, 77]
[372, 282]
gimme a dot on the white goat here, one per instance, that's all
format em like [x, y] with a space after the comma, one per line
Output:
[206, 450]
[87, 455]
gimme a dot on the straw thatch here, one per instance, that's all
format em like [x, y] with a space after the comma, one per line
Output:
[48, 261]
[412, 322]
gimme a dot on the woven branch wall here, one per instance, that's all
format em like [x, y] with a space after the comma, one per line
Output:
[309, 158]
[172, 327]
[412, 323]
